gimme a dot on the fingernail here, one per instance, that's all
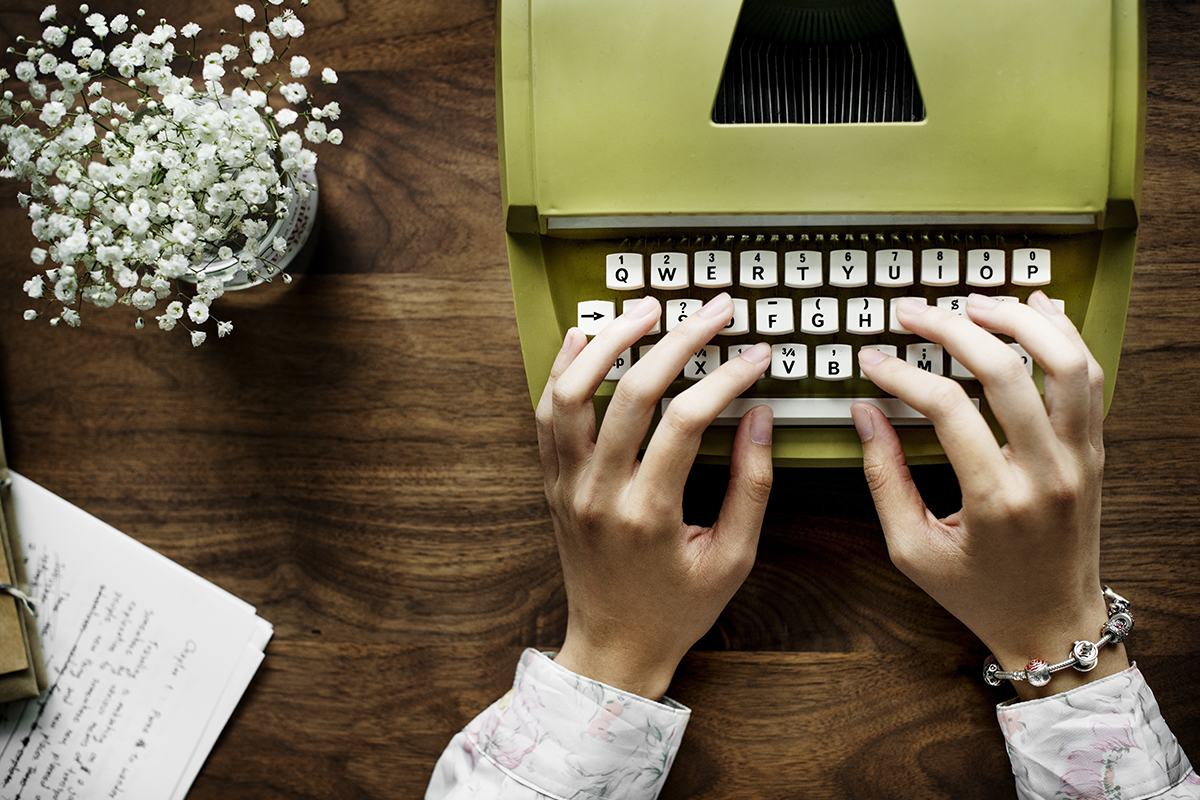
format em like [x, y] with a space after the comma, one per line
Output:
[1042, 303]
[757, 354]
[911, 305]
[870, 356]
[862, 421]
[717, 307]
[982, 301]
[569, 338]
[643, 308]
[762, 425]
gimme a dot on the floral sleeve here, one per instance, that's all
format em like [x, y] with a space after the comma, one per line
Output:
[558, 735]
[1106, 740]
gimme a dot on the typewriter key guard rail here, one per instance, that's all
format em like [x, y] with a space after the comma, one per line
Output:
[678, 133]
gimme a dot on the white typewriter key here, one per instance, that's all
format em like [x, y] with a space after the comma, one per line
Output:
[774, 316]
[1024, 357]
[643, 350]
[893, 268]
[848, 268]
[985, 267]
[668, 270]
[740, 323]
[789, 361]
[953, 303]
[819, 315]
[712, 269]
[620, 366]
[759, 268]
[702, 363]
[939, 266]
[802, 269]
[890, 349]
[629, 304]
[834, 362]
[1031, 266]
[893, 322]
[865, 315]
[594, 316]
[679, 310]
[1062, 304]
[926, 356]
[624, 271]
[957, 370]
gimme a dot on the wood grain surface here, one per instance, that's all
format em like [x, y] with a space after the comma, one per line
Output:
[358, 460]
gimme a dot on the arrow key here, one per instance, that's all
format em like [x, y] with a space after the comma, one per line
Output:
[594, 315]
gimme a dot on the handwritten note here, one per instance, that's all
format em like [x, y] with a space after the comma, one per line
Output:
[146, 663]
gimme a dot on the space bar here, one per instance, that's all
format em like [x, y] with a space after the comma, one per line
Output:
[796, 411]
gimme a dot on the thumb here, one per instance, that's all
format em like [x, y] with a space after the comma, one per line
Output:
[750, 477]
[898, 502]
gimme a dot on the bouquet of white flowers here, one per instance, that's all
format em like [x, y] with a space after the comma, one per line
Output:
[141, 177]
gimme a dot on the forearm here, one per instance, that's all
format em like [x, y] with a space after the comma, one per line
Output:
[557, 734]
[1105, 739]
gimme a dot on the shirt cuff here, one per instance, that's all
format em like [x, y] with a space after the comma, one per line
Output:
[1103, 739]
[568, 736]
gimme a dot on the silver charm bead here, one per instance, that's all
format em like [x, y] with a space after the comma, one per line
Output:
[1118, 626]
[1037, 672]
[990, 668]
[1086, 655]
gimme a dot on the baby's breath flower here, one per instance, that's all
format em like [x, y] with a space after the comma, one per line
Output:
[198, 338]
[30, 314]
[197, 312]
[128, 198]
[55, 36]
[293, 92]
[48, 13]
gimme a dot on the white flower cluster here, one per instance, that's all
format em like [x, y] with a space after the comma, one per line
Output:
[130, 196]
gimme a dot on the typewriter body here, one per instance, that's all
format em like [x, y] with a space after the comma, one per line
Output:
[670, 148]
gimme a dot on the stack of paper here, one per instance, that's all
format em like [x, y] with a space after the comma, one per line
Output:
[146, 662]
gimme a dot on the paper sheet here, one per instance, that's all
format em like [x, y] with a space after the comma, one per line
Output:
[146, 663]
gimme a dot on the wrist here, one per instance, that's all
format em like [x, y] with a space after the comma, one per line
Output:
[1081, 649]
[619, 666]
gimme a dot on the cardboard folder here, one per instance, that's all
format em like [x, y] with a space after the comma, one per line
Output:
[22, 670]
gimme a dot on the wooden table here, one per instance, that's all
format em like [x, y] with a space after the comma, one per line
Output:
[358, 460]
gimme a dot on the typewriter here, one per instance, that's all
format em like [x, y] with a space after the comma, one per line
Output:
[818, 159]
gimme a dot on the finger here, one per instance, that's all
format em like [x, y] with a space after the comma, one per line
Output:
[1039, 302]
[902, 511]
[634, 400]
[966, 438]
[573, 342]
[750, 476]
[1011, 393]
[574, 416]
[673, 446]
[1065, 363]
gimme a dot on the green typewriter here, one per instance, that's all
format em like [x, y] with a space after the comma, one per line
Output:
[818, 159]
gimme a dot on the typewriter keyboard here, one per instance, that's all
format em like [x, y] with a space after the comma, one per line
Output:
[817, 300]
